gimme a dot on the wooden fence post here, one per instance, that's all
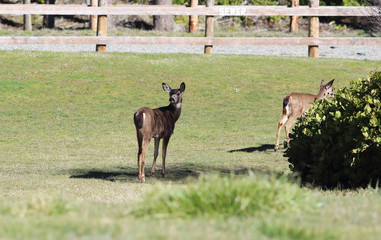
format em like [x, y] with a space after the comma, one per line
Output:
[313, 32]
[27, 19]
[102, 27]
[94, 18]
[193, 19]
[208, 49]
[294, 27]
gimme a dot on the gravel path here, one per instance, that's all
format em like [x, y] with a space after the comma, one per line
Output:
[352, 52]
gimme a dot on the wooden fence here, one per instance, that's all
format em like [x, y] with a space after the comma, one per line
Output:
[102, 40]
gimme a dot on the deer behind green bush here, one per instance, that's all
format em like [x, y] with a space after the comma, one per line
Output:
[338, 142]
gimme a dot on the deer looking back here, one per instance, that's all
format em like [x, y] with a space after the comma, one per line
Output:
[295, 104]
[158, 123]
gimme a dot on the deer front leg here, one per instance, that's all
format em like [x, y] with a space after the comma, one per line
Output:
[164, 154]
[156, 153]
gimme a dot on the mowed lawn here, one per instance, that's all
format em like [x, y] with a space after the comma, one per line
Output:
[68, 150]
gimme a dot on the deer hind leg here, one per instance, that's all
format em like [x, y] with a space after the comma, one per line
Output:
[140, 141]
[142, 159]
[288, 127]
[281, 123]
[156, 153]
[164, 154]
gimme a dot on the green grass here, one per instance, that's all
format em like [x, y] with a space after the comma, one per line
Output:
[224, 196]
[68, 148]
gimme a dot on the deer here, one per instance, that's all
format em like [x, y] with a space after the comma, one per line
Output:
[296, 104]
[158, 123]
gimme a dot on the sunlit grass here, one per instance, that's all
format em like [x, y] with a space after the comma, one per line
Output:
[226, 196]
[68, 147]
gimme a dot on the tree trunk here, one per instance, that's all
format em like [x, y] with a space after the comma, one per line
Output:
[163, 23]
[374, 22]
[111, 19]
[48, 21]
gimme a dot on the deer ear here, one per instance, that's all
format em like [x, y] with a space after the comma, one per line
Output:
[182, 87]
[322, 83]
[330, 83]
[166, 87]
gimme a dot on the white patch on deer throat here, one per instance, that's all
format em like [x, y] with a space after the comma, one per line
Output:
[178, 105]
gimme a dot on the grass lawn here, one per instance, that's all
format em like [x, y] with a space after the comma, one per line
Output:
[68, 165]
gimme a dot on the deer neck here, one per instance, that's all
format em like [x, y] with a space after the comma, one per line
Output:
[175, 110]
[320, 95]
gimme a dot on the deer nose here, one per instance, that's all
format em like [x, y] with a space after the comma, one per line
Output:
[172, 99]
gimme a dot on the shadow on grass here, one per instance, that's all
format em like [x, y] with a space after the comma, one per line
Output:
[262, 148]
[129, 174]
[107, 175]
[174, 173]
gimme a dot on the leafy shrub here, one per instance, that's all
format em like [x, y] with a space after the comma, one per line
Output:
[338, 143]
[224, 196]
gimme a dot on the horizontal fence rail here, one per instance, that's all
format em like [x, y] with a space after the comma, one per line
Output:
[191, 41]
[101, 40]
[44, 9]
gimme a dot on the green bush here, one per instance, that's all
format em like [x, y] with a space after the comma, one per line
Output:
[338, 142]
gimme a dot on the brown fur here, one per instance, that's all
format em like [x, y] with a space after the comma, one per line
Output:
[296, 104]
[158, 123]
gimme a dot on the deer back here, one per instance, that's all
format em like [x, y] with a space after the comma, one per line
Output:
[297, 103]
[158, 122]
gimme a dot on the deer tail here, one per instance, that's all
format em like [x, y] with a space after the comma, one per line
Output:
[286, 105]
[139, 119]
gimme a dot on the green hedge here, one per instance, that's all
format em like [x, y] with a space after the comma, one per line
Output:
[338, 143]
